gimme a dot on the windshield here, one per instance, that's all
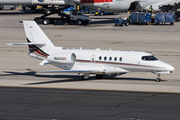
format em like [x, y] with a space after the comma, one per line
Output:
[75, 12]
[149, 58]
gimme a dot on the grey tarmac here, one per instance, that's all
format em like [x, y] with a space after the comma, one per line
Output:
[133, 96]
[67, 104]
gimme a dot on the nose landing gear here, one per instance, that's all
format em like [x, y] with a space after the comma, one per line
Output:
[158, 78]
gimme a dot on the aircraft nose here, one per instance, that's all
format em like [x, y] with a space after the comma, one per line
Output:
[76, 1]
[170, 68]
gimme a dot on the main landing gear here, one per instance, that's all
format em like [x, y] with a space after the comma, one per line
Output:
[158, 78]
[86, 76]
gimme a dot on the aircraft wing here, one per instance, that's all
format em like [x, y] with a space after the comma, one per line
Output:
[67, 71]
[108, 70]
[170, 2]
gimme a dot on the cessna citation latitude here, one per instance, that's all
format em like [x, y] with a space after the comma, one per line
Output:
[130, 5]
[85, 61]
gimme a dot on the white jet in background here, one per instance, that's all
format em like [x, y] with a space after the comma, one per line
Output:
[35, 2]
[130, 5]
[98, 62]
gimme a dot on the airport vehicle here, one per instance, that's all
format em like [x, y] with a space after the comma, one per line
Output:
[73, 16]
[11, 7]
[164, 18]
[140, 18]
[85, 61]
[130, 5]
[50, 6]
[1, 7]
[102, 13]
[121, 22]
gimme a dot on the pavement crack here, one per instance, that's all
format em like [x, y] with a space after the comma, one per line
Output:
[24, 97]
[120, 113]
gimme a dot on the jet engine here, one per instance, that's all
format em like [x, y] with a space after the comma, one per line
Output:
[62, 58]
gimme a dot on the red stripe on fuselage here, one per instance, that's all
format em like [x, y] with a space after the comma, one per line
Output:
[96, 1]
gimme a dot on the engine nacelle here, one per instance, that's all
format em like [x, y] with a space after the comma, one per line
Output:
[66, 58]
[63, 60]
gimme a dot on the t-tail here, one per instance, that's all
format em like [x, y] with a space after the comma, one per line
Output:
[39, 44]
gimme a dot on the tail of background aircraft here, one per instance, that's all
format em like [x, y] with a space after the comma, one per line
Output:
[38, 42]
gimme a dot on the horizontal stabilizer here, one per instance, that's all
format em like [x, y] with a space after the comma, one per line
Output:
[26, 43]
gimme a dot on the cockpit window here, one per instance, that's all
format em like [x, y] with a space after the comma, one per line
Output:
[149, 58]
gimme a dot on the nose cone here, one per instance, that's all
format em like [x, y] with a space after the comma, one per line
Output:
[76, 1]
[167, 67]
[170, 68]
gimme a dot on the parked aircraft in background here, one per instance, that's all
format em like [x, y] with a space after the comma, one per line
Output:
[35, 2]
[130, 5]
[85, 61]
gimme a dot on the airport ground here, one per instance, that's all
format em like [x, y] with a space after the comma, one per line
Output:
[162, 41]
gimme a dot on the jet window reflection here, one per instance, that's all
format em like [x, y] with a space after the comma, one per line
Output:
[100, 58]
[105, 58]
[115, 58]
[149, 58]
[120, 59]
[110, 58]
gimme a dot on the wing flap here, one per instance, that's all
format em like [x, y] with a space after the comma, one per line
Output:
[172, 2]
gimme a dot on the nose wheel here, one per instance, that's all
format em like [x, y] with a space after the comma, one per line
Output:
[158, 78]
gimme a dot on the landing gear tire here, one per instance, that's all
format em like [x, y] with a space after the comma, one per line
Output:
[158, 80]
[79, 22]
[83, 78]
[99, 76]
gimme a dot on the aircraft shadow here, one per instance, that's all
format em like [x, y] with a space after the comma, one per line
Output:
[71, 78]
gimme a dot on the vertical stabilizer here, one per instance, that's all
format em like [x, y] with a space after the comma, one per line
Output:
[35, 35]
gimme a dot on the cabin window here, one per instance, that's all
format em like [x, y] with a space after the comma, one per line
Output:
[120, 59]
[149, 58]
[100, 57]
[115, 58]
[110, 58]
[105, 58]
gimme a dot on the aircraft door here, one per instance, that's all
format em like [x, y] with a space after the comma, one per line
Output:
[106, 2]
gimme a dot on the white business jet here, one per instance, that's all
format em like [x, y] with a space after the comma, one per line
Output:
[130, 5]
[86, 62]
